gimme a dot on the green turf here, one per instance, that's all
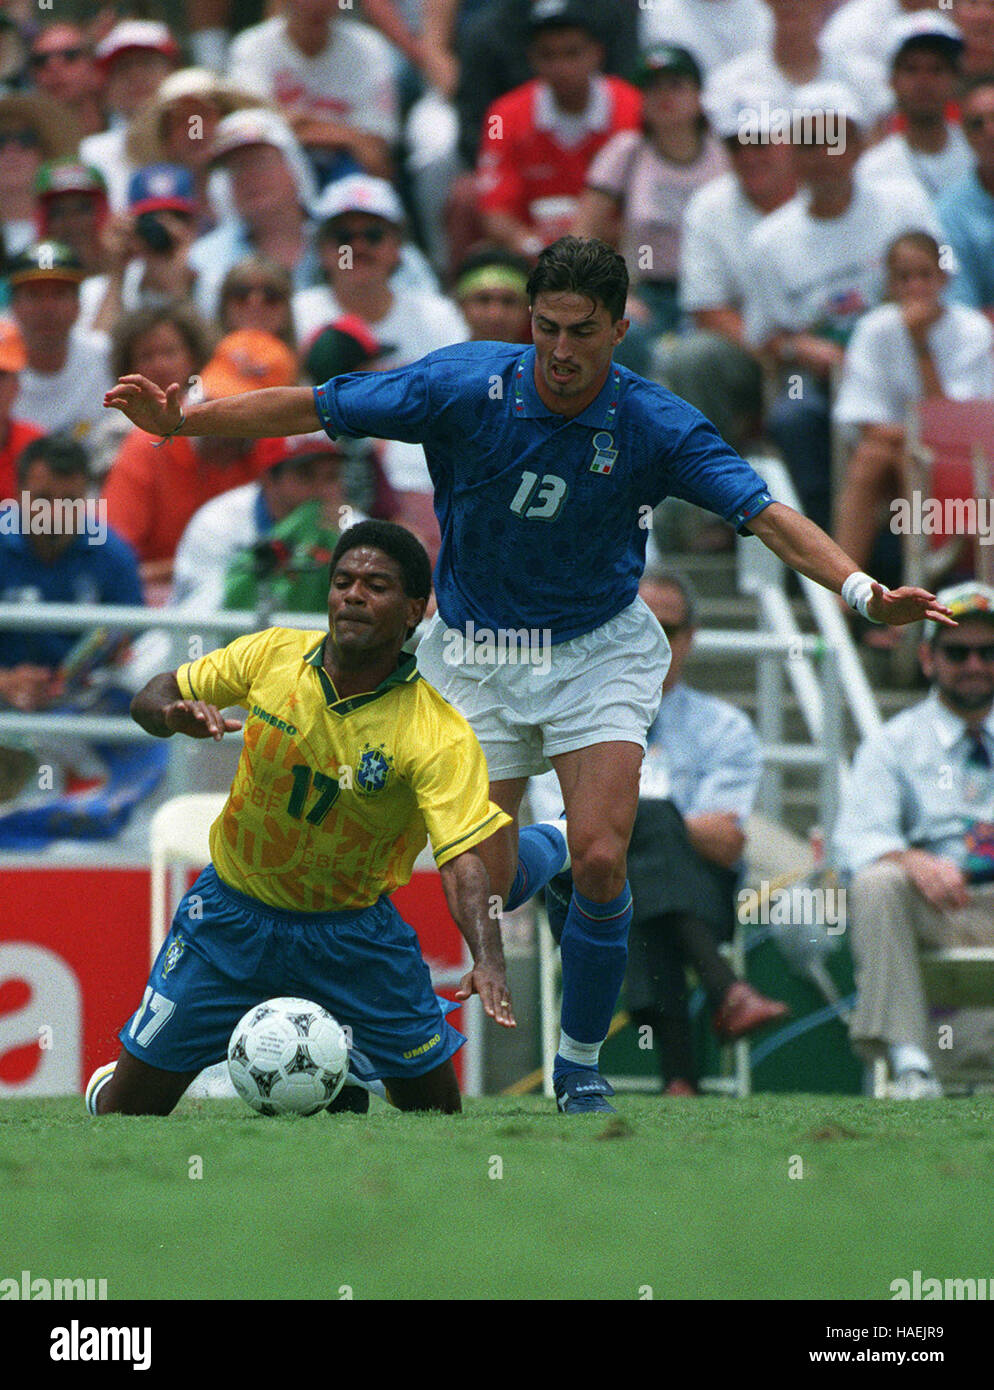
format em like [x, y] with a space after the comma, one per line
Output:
[691, 1199]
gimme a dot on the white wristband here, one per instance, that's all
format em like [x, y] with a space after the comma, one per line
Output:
[857, 592]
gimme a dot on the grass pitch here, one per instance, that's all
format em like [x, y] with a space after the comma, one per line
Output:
[797, 1197]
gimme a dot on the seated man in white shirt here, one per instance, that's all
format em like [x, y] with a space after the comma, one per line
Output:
[912, 347]
[924, 66]
[917, 832]
[62, 387]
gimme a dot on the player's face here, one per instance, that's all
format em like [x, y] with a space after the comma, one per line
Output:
[574, 339]
[961, 664]
[368, 611]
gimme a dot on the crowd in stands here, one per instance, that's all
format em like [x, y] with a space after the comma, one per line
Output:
[240, 193]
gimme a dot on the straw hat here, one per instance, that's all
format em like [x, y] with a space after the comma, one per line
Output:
[143, 142]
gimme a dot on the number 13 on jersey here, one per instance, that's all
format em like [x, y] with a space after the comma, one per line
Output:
[540, 499]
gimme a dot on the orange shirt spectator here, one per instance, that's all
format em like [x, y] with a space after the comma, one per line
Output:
[153, 489]
[14, 434]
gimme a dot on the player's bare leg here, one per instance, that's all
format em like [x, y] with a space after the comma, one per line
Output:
[135, 1088]
[436, 1090]
[600, 787]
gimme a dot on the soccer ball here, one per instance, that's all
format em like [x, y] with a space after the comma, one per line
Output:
[288, 1057]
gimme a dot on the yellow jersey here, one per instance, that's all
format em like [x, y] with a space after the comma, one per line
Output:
[334, 799]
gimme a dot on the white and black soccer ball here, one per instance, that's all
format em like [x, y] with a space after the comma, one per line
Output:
[288, 1057]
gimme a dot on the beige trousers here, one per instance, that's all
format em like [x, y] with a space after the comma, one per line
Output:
[888, 918]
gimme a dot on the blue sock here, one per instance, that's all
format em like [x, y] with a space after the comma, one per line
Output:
[541, 855]
[594, 953]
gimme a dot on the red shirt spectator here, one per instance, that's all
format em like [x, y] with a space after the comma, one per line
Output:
[14, 434]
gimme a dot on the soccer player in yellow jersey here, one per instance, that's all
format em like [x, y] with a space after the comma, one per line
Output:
[350, 762]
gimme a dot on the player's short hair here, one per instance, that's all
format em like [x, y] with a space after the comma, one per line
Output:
[582, 266]
[63, 456]
[397, 542]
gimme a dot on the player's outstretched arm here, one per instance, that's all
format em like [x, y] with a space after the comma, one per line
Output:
[467, 891]
[161, 710]
[271, 413]
[806, 548]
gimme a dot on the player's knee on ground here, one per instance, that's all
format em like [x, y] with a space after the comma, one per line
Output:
[437, 1090]
[138, 1089]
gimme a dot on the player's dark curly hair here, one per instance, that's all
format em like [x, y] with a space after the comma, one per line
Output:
[582, 266]
[397, 542]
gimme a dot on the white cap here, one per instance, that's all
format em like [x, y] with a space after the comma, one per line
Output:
[256, 125]
[137, 33]
[359, 193]
[818, 98]
[731, 110]
[922, 24]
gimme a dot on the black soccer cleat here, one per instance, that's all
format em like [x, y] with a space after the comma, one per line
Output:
[351, 1100]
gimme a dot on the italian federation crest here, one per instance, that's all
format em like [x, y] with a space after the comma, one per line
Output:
[373, 770]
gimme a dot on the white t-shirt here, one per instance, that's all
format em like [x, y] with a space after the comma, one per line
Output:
[416, 323]
[757, 70]
[716, 225]
[862, 26]
[881, 379]
[893, 158]
[819, 275]
[105, 151]
[351, 80]
[70, 401]
[715, 31]
[211, 539]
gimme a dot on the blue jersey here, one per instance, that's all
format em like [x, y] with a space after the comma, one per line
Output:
[544, 519]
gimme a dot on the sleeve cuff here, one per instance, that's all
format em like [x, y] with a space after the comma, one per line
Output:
[744, 514]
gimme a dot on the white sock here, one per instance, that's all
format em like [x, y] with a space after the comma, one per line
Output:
[906, 1057]
[583, 1054]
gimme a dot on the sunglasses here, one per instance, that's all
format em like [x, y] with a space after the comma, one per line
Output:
[959, 652]
[71, 55]
[26, 139]
[243, 293]
[345, 236]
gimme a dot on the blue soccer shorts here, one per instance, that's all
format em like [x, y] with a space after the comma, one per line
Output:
[226, 952]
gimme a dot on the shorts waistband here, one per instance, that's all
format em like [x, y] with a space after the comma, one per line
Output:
[287, 915]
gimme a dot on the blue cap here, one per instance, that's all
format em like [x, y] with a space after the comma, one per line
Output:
[162, 188]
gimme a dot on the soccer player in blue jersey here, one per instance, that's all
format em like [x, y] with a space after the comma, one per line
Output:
[546, 463]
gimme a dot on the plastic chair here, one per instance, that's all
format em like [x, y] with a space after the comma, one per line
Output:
[179, 837]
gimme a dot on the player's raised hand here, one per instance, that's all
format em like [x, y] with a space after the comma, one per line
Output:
[906, 605]
[490, 983]
[145, 404]
[197, 719]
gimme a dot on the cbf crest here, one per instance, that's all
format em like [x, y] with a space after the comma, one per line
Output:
[373, 770]
[176, 948]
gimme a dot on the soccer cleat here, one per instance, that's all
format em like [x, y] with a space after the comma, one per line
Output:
[582, 1092]
[914, 1085]
[351, 1100]
[558, 892]
[96, 1084]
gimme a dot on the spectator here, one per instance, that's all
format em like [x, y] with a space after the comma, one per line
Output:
[493, 49]
[360, 239]
[163, 342]
[699, 783]
[68, 370]
[255, 293]
[147, 249]
[15, 433]
[917, 834]
[33, 130]
[639, 185]
[271, 188]
[135, 57]
[817, 265]
[864, 27]
[63, 67]
[333, 78]
[794, 58]
[712, 366]
[975, 19]
[178, 125]
[74, 563]
[913, 347]
[152, 490]
[924, 60]
[72, 208]
[715, 31]
[540, 138]
[966, 210]
[491, 289]
[311, 471]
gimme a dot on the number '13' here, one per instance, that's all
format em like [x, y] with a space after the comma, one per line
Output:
[539, 499]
